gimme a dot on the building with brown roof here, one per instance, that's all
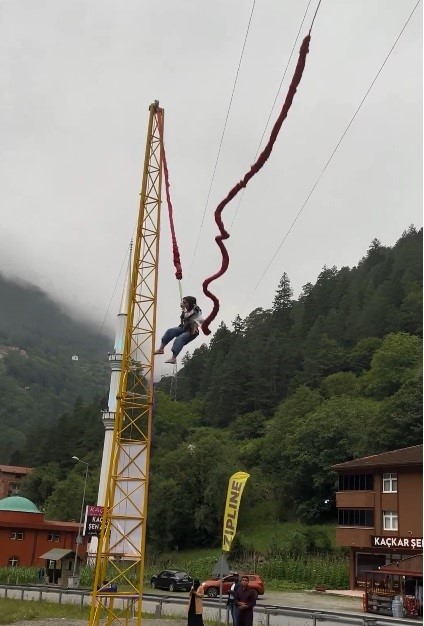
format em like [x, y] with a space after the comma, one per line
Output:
[11, 477]
[27, 538]
[380, 504]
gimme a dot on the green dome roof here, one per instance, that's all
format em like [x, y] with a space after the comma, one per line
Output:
[17, 503]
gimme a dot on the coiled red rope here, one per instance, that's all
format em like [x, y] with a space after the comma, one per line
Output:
[175, 250]
[263, 157]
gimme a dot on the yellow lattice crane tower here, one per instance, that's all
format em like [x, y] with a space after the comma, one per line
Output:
[122, 541]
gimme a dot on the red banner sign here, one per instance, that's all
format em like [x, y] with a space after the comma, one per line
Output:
[93, 521]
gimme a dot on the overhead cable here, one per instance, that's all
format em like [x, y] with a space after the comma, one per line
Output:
[275, 102]
[113, 293]
[223, 132]
[336, 148]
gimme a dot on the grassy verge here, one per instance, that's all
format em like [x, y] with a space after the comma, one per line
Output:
[12, 611]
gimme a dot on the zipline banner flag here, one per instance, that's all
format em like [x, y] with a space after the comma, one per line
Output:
[235, 489]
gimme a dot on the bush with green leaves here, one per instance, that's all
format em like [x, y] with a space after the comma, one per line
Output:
[18, 575]
[310, 570]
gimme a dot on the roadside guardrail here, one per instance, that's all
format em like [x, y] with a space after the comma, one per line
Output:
[271, 613]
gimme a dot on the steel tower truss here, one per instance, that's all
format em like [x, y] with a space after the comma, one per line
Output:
[121, 548]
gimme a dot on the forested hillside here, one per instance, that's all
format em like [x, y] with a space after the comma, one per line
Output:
[38, 378]
[284, 394]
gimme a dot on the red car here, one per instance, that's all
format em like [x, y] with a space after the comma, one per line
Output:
[211, 586]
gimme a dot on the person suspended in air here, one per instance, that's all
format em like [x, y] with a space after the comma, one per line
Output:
[190, 322]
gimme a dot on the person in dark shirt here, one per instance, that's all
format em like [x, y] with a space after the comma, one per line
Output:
[245, 600]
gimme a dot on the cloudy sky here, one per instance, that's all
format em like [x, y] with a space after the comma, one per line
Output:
[77, 77]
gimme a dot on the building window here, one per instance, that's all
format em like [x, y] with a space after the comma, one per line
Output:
[356, 517]
[390, 520]
[13, 561]
[356, 482]
[17, 535]
[389, 483]
[53, 537]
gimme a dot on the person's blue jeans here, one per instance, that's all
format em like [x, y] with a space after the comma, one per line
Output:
[182, 338]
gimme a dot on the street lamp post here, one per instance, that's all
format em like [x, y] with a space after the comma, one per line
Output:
[81, 514]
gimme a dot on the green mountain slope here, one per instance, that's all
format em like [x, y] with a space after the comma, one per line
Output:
[39, 380]
[284, 395]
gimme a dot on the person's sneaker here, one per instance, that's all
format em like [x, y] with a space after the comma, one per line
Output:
[158, 351]
[172, 360]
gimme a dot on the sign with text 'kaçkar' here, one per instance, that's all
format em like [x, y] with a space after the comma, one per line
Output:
[413, 543]
[93, 521]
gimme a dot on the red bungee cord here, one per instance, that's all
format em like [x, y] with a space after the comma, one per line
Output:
[175, 251]
[263, 157]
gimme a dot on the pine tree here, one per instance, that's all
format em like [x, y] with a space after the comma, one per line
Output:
[283, 295]
[238, 325]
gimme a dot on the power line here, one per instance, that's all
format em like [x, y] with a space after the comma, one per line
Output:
[111, 297]
[223, 132]
[274, 103]
[336, 148]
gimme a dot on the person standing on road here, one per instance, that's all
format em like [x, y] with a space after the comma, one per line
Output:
[195, 607]
[245, 600]
[231, 602]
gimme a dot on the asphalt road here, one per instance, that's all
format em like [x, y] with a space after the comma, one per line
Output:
[304, 599]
